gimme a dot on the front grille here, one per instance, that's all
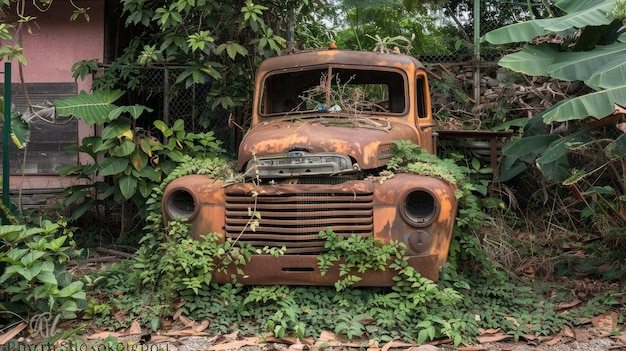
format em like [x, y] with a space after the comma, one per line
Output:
[295, 220]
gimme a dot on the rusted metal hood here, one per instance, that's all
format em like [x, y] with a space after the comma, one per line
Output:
[367, 140]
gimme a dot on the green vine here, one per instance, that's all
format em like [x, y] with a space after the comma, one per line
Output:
[356, 255]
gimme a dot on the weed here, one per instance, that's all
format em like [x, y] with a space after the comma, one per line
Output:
[35, 280]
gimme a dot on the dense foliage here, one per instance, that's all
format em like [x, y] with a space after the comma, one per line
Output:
[579, 142]
[214, 45]
[220, 46]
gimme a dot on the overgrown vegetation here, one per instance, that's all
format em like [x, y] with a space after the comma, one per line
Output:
[36, 284]
[172, 274]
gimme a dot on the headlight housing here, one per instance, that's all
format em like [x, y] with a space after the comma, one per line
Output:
[180, 204]
[419, 207]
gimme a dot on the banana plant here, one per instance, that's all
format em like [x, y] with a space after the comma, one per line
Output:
[597, 57]
[593, 51]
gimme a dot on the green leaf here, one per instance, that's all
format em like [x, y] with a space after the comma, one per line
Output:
[13, 233]
[582, 65]
[529, 145]
[125, 149]
[112, 166]
[598, 105]
[31, 257]
[611, 75]
[71, 289]
[56, 243]
[139, 160]
[556, 171]
[516, 33]
[16, 254]
[150, 173]
[533, 60]
[128, 185]
[47, 278]
[582, 14]
[135, 111]
[117, 128]
[558, 148]
[93, 109]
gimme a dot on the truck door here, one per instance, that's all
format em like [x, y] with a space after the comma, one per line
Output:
[424, 120]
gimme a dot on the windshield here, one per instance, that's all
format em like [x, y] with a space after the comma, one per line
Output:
[332, 89]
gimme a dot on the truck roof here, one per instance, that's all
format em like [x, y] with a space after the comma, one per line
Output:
[339, 57]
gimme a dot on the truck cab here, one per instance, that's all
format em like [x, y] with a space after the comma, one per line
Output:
[323, 128]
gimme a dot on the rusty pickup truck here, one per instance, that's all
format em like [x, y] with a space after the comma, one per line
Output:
[322, 130]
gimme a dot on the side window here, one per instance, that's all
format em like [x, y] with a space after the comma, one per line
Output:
[48, 137]
[421, 91]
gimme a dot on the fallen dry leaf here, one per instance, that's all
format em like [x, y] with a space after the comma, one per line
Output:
[156, 339]
[566, 305]
[492, 337]
[373, 346]
[177, 314]
[198, 327]
[472, 348]
[424, 348]
[567, 331]
[327, 337]
[297, 347]
[555, 340]
[395, 344]
[605, 321]
[186, 321]
[235, 344]
[620, 337]
[581, 335]
[103, 335]
[4, 338]
[134, 329]
[185, 332]
[119, 316]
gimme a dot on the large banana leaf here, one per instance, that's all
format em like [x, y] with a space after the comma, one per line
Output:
[582, 65]
[598, 105]
[582, 14]
[517, 32]
[610, 75]
[533, 60]
[569, 6]
[579, 14]
[93, 109]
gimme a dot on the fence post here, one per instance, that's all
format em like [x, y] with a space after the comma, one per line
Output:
[6, 140]
[477, 52]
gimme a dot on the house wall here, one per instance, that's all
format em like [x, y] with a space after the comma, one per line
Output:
[52, 44]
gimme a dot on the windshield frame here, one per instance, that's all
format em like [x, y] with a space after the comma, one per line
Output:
[302, 79]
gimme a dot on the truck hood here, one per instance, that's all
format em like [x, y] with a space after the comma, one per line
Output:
[368, 141]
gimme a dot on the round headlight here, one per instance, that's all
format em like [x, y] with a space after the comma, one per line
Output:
[420, 208]
[180, 204]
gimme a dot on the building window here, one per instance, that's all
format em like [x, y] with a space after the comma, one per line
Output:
[49, 136]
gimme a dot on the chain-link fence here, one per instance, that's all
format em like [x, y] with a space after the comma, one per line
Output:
[158, 91]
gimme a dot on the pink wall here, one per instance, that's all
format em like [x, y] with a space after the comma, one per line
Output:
[52, 44]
